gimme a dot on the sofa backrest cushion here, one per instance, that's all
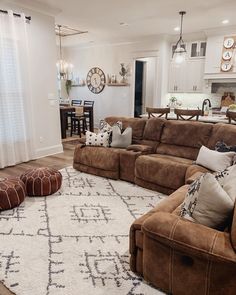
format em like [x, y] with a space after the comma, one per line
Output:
[177, 151]
[136, 124]
[153, 129]
[222, 132]
[186, 133]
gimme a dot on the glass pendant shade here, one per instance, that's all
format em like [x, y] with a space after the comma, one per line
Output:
[180, 53]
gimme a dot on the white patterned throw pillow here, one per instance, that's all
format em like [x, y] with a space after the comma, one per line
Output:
[105, 127]
[210, 199]
[100, 139]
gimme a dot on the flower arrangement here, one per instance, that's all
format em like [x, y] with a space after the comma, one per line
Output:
[123, 72]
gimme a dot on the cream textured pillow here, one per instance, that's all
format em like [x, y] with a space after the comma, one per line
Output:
[100, 139]
[121, 140]
[208, 203]
[214, 160]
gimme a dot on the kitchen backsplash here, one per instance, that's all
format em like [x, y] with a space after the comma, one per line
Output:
[194, 100]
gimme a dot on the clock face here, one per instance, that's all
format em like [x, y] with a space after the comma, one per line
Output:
[96, 80]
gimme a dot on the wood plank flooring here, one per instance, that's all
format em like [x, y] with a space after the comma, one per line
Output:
[57, 161]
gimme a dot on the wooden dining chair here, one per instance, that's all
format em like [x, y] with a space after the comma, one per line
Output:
[184, 114]
[74, 102]
[231, 116]
[159, 111]
[88, 113]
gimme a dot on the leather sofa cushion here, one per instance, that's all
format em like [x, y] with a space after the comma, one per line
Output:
[222, 132]
[164, 170]
[186, 133]
[153, 129]
[136, 124]
[178, 151]
[139, 148]
[98, 157]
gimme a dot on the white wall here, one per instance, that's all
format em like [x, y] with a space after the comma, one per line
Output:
[117, 101]
[45, 112]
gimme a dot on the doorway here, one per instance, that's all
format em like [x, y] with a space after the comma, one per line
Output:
[138, 98]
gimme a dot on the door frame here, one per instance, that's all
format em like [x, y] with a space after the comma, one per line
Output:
[139, 55]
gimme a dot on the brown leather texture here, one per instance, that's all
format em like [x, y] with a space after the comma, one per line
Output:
[181, 257]
[222, 132]
[163, 170]
[97, 157]
[127, 164]
[42, 181]
[189, 134]
[193, 172]
[140, 148]
[136, 124]
[178, 151]
[153, 129]
[12, 193]
[96, 171]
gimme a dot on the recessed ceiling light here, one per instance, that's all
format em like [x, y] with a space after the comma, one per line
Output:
[225, 21]
[177, 29]
[123, 24]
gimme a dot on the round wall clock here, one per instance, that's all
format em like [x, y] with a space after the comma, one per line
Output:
[96, 80]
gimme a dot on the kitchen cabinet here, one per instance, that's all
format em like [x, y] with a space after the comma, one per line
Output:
[197, 49]
[194, 76]
[176, 77]
[187, 77]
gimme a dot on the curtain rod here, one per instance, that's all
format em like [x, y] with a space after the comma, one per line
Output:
[16, 14]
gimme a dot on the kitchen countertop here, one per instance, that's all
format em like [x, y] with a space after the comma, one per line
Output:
[215, 118]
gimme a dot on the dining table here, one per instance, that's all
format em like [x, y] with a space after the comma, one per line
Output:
[85, 110]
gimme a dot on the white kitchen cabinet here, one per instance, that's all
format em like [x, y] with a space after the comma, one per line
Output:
[197, 49]
[177, 77]
[194, 76]
[187, 77]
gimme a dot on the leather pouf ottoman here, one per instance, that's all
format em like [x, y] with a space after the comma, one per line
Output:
[41, 181]
[12, 193]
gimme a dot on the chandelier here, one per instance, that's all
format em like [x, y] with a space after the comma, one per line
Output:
[64, 68]
[180, 52]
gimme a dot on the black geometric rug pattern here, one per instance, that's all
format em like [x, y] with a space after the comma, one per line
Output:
[76, 241]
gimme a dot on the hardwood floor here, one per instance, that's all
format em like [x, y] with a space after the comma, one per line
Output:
[57, 161]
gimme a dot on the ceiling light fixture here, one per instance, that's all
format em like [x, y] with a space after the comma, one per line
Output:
[64, 68]
[179, 53]
[225, 21]
[177, 29]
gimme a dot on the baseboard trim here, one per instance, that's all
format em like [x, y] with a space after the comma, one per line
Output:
[49, 151]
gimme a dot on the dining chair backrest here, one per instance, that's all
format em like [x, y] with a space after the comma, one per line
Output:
[158, 111]
[76, 102]
[187, 114]
[88, 103]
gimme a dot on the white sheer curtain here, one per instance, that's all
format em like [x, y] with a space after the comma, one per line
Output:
[16, 136]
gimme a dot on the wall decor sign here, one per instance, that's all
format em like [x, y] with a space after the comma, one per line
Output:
[228, 52]
[96, 80]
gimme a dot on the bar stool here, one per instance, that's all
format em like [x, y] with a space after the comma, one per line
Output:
[231, 116]
[88, 112]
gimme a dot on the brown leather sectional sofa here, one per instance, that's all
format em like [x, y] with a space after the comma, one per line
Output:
[175, 255]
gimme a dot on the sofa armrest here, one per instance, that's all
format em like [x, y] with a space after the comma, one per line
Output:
[144, 149]
[193, 177]
[192, 170]
[189, 237]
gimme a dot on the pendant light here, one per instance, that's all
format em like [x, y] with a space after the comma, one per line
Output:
[179, 54]
[63, 67]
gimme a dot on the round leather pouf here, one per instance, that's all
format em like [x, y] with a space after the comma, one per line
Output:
[41, 181]
[12, 193]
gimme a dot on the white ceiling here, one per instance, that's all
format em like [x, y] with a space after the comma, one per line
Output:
[102, 18]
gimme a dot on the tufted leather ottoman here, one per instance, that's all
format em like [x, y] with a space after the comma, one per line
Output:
[12, 193]
[41, 181]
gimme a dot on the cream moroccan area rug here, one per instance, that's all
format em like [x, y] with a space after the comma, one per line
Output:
[75, 242]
